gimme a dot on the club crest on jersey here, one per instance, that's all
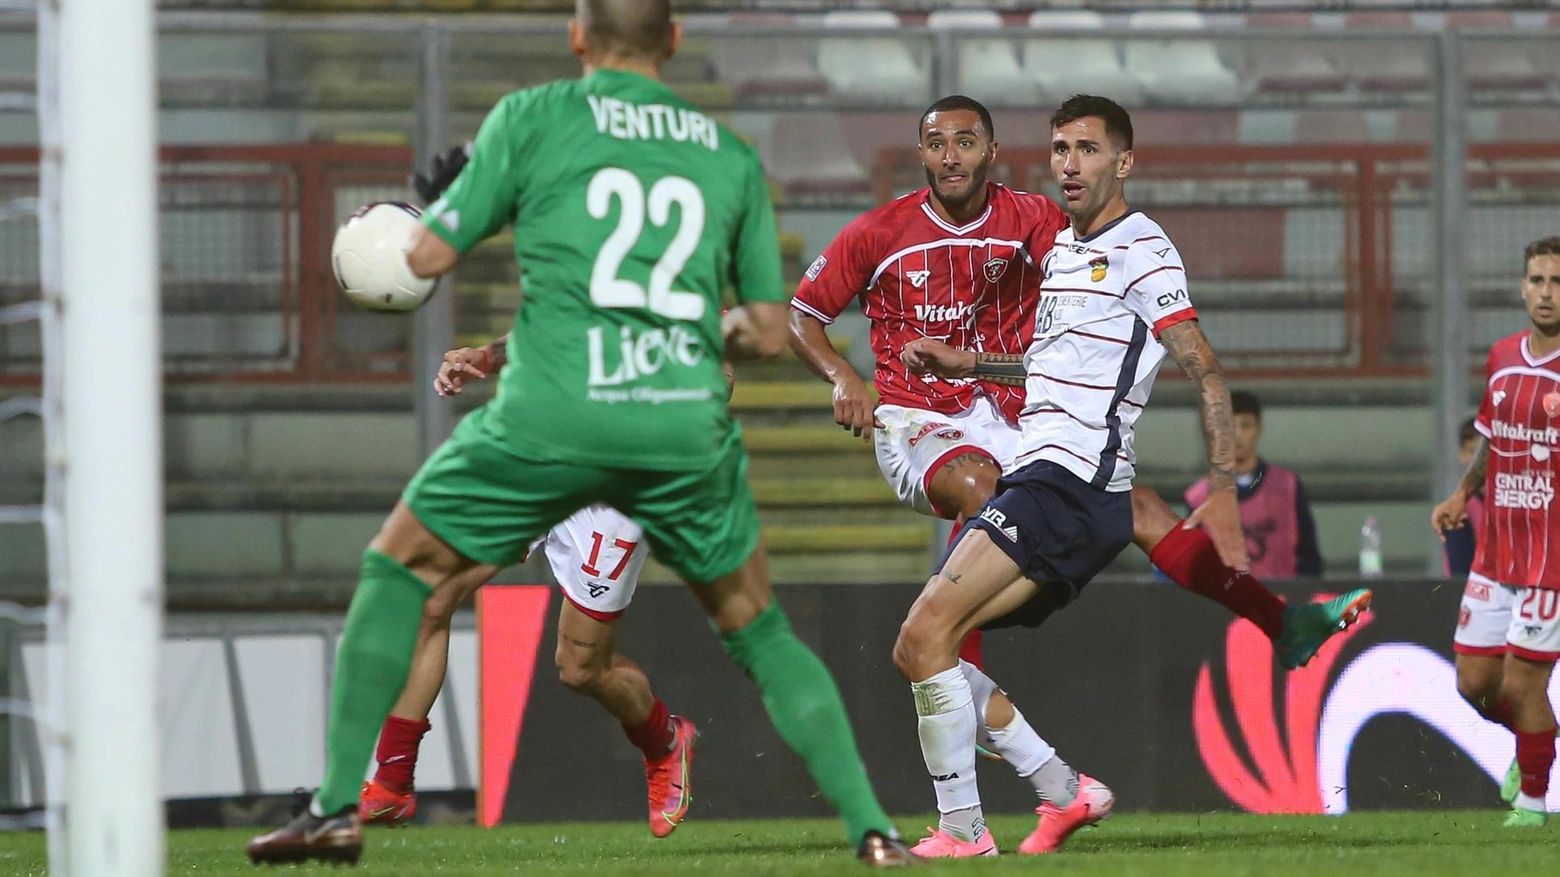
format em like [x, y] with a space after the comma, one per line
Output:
[1498, 397]
[995, 269]
[942, 430]
[1097, 268]
[816, 267]
[1552, 404]
[917, 278]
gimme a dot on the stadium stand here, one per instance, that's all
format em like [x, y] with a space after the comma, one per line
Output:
[1065, 66]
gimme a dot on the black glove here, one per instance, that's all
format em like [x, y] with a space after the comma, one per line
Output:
[443, 171]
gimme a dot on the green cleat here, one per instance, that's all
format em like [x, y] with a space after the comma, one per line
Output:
[1309, 625]
[1512, 784]
[1521, 817]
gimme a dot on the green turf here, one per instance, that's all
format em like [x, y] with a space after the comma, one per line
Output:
[1423, 844]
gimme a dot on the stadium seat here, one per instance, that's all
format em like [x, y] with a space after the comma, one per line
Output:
[1382, 66]
[1331, 126]
[1179, 70]
[212, 69]
[875, 69]
[989, 68]
[1067, 61]
[806, 154]
[1498, 65]
[1285, 66]
[769, 67]
[1529, 126]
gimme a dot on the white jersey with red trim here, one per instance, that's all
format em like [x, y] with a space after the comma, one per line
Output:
[1520, 416]
[1104, 299]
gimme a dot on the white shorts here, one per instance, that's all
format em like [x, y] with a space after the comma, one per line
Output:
[1497, 619]
[596, 555]
[914, 443]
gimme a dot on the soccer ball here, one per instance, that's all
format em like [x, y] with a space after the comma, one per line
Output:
[368, 256]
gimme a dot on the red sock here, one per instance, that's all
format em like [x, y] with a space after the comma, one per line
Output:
[397, 756]
[1535, 756]
[1190, 560]
[969, 650]
[654, 737]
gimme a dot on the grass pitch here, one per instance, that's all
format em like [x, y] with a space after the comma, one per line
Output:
[1422, 844]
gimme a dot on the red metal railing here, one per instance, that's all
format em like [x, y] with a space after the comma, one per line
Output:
[248, 290]
[248, 293]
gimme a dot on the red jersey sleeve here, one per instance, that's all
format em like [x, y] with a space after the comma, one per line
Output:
[1485, 419]
[1052, 220]
[839, 275]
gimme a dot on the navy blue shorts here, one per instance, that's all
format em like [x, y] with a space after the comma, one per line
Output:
[1059, 529]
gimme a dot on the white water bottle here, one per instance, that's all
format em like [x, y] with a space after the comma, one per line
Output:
[1370, 549]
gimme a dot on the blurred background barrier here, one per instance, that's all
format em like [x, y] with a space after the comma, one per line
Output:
[1157, 692]
[1351, 187]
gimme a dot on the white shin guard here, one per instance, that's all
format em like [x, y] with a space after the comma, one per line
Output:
[947, 726]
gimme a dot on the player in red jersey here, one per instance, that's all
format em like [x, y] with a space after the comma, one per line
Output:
[1508, 629]
[596, 555]
[958, 262]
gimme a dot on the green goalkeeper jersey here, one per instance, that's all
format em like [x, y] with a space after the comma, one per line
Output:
[632, 211]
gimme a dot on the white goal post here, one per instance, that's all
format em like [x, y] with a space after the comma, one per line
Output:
[99, 263]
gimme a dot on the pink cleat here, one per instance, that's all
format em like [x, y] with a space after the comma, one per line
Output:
[942, 845]
[1058, 823]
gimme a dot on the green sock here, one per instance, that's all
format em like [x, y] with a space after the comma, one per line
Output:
[372, 664]
[805, 707]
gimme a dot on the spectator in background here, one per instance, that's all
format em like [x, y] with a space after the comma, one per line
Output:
[1280, 532]
[1461, 542]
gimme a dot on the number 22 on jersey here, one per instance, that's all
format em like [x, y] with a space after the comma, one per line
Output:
[607, 288]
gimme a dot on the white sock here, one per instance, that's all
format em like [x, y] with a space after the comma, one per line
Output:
[946, 726]
[1020, 746]
[1035, 760]
[1528, 802]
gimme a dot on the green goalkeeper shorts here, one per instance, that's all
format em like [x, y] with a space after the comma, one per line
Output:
[490, 504]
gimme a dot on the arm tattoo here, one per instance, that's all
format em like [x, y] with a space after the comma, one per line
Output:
[1191, 350]
[1473, 479]
[1001, 368]
[498, 349]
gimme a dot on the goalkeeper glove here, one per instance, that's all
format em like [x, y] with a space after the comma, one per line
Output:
[442, 171]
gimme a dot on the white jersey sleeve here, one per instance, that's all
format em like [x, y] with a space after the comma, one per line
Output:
[1156, 289]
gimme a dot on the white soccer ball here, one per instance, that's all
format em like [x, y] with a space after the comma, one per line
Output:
[369, 258]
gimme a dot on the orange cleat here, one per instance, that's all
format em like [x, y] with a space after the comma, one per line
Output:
[381, 804]
[1057, 824]
[669, 780]
[942, 845]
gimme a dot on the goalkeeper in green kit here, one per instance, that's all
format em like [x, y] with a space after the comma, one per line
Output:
[631, 212]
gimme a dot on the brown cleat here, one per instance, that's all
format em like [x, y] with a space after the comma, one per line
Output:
[878, 850]
[337, 838]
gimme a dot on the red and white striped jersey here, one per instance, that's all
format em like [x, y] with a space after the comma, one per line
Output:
[1104, 299]
[917, 276]
[1519, 544]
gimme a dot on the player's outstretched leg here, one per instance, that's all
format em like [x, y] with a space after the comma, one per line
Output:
[1526, 685]
[1189, 559]
[977, 583]
[391, 796]
[406, 570]
[588, 663]
[802, 701]
[1068, 800]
